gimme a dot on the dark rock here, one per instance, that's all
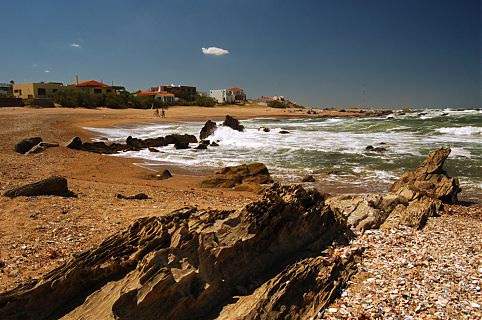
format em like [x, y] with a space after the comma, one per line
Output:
[264, 129]
[205, 142]
[233, 123]
[207, 130]
[284, 132]
[153, 149]
[75, 143]
[214, 144]
[243, 177]
[24, 145]
[429, 179]
[181, 145]
[55, 186]
[202, 146]
[190, 263]
[180, 138]
[375, 149]
[165, 174]
[139, 196]
[309, 178]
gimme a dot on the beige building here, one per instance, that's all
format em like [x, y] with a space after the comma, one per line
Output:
[35, 90]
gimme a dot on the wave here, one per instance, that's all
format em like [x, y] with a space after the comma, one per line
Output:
[461, 131]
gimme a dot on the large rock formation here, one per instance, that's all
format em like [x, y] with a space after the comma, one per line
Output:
[24, 145]
[429, 179]
[191, 263]
[56, 186]
[207, 130]
[233, 123]
[242, 177]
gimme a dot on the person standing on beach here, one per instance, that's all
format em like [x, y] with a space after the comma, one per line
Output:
[156, 113]
[163, 113]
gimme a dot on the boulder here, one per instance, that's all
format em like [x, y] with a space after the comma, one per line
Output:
[309, 178]
[180, 138]
[181, 145]
[214, 144]
[375, 149]
[429, 179]
[190, 264]
[24, 145]
[264, 129]
[243, 177]
[284, 132]
[202, 146]
[139, 196]
[207, 130]
[55, 186]
[233, 123]
[41, 147]
[153, 149]
[74, 143]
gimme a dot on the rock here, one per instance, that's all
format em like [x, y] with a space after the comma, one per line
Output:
[233, 123]
[180, 138]
[190, 263]
[243, 177]
[309, 178]
[139, 196]
[214, 144]
[160, 141]
[103, 148]
[202, 146]
[205, 142]
[429, 179]
[24, 145]
[181, 145]
[375, 149]
[74, 143]
[163, 175]
[264, 129]
[207, 130]
[284, 132]
[55, 186]
[41, 147]
[152, 149]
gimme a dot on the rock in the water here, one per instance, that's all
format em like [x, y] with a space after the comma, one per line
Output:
[429, 179]
[376, 149]
[214, 144]
[309, 178]
[284, 132]
[139, 196]
[202, 146]
[243, 177]
[181, 145]
[233, 123]
[264, 129]
[56, 186]
[152, 149]
[207, 130]
[75, 143]
[191, 263]
[24, 145]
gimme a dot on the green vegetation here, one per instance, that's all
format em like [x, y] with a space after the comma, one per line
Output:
[277, 104]
[205, 101]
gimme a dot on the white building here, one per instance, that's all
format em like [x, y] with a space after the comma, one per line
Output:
[5, 88]
[222, 96]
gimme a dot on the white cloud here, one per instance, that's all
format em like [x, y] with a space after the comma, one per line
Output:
[214, 51]
[46, 71]
[74, 45]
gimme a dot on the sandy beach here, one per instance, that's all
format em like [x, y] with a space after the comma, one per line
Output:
[39, 233]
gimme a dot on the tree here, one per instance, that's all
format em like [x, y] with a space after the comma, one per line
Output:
[205, 101]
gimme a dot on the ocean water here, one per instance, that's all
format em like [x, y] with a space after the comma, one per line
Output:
[333, 150]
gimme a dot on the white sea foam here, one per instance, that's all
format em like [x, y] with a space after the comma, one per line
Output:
[461, 131]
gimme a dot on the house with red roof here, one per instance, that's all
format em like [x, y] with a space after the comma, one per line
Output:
[165, 97]
[238, 93]
[94, 87]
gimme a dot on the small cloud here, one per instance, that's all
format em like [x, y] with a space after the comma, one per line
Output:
[214, 51]
[46, 71]
[74, 45]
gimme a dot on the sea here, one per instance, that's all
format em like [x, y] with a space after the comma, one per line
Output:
[332, 150]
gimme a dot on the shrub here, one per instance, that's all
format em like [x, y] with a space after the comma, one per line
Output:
[205, 101]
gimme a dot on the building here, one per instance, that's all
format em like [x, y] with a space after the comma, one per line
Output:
[161, 95]
[238, 93]
[222, 96]
[182, 92]
[94, 87]
[36, 90]
[6, 89]
[263, 101]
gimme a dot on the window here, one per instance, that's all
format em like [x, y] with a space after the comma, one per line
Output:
[97, 91]
[55, 90]
[41, 92]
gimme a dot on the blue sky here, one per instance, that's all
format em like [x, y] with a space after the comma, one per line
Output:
[417, 53]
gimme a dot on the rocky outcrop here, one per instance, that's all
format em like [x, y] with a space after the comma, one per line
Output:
[74, 143]
[233, 123]
[139, 196]
[190, 263]
[429, 179]
[207, 130]
[161, 141]
[243, 177]
[41, 147]
[55, 186]
[24, 145]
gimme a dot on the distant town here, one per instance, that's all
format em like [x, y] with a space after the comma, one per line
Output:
[92, 93]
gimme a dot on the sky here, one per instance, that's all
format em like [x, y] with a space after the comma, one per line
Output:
[342, 53]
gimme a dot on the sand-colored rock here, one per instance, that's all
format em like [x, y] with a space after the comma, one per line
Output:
[242, 177]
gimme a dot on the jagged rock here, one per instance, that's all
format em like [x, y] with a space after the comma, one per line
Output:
[24, 145]
[39, 148]
[207, 130]
[146, 143]
[429, 179]
[243, 177]
[309, 178]
[103, 148]
[139, 196]
[75, 143]
[56, 186]
[181, 145]
[414, 215]
[188, 264]
[233, 123]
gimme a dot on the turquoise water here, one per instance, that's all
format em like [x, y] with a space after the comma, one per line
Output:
[333, 149]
